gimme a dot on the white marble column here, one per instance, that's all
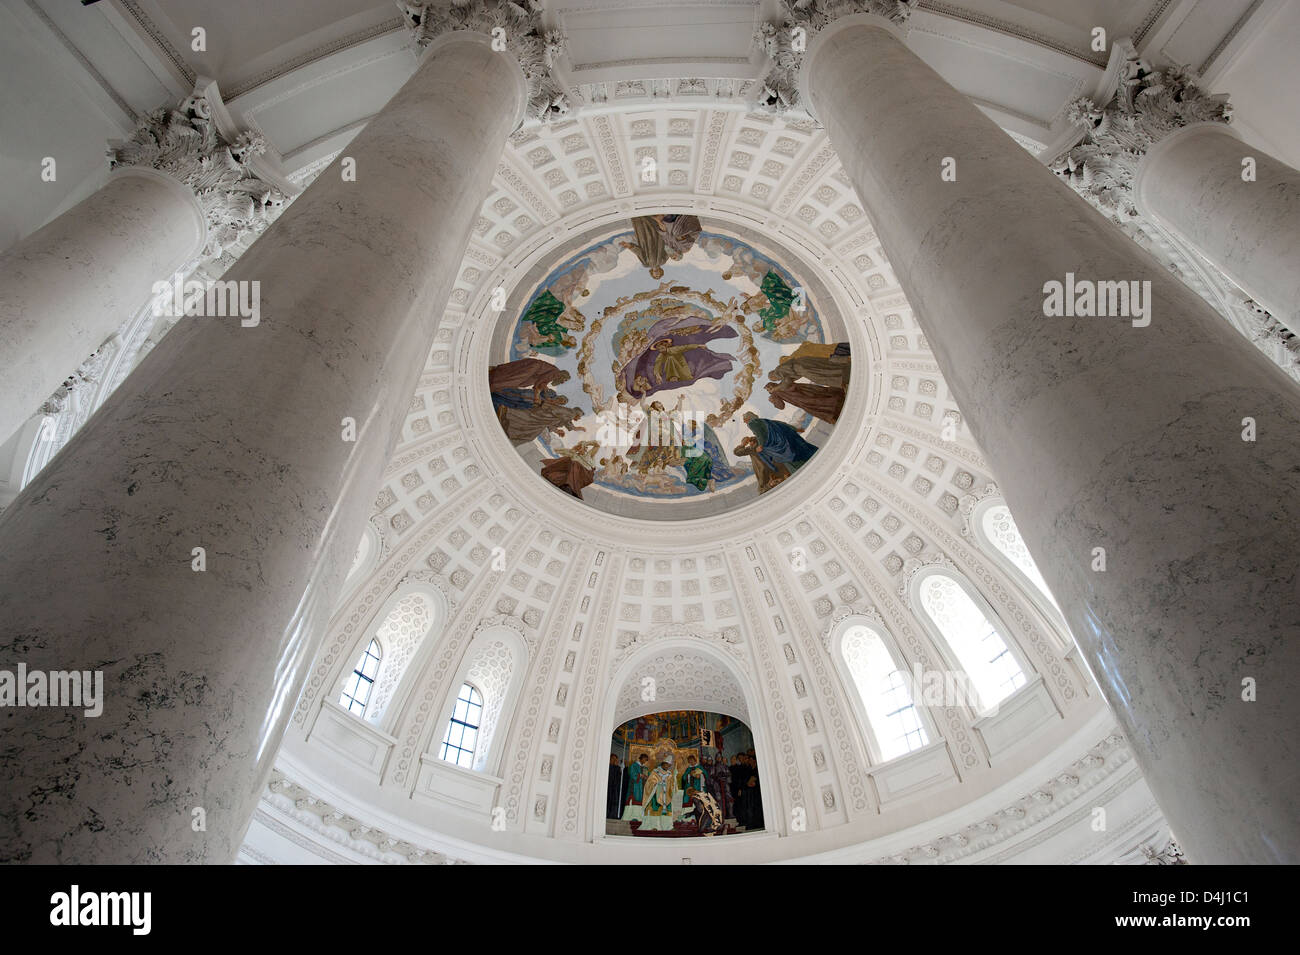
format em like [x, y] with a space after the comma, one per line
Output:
[71, 284]
[1191, 181]
[1103, 435]
[230, 438]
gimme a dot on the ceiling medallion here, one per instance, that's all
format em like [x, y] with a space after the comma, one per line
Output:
[673, 364]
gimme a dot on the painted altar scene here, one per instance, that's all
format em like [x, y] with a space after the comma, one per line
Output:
[683, 773]
[669, 363]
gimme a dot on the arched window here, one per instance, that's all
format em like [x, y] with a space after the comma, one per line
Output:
[461, 738]
[999, 529]
[493, 668]
[356, 689]
[885, 691]
[978, 646]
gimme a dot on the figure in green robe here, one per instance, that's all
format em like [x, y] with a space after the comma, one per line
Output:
[694, 778]
[779, 298]
[544, 313]
[636, 775]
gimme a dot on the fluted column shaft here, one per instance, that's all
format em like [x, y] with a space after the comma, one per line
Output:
[1103, 435]
[230, 438]
[1243, 219]
[71, 284]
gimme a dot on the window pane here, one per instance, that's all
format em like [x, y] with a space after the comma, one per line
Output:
[976, 643]
[884, 692]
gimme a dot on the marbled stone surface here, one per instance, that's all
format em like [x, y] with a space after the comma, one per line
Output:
[1102, 435]
[68, 286]
[1191, 181]
[229, 438]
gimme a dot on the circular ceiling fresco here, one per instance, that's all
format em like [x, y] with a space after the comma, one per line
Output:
[672, 364]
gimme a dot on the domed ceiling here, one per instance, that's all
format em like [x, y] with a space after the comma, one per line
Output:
[666, 362]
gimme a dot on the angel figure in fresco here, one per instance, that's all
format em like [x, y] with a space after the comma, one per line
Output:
[676, 354]
[572, 469]
[657, 803]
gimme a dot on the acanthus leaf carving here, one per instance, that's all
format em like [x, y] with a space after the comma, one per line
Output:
[785, 42]
[184, 143]
[1149, 105]
[536, 47]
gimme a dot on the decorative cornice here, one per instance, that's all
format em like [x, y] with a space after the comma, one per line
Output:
[785, 42]
[185, 144]
[525, 35]
[285, 797]
[1077, 780]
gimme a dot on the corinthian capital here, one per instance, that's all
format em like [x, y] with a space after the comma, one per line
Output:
[1148, 105]
[516, 25]
[184, 143]
[785, 42]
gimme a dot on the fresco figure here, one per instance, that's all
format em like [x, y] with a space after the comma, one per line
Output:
[676, 355]
[544, 313]
[649, 245]
[693, 779]
[826, 365]
[530, 373]
[719, 783]
[572, 469]
[776, 449]
[679, 233]
[523, 424]
[708, 815]
[613, 796]
[637, 774]
[657, 804]
[818, 401]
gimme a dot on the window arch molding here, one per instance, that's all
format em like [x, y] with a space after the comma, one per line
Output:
[1038, 596]
[917, 574]
[482, 666]
[401, 659]
[833, 640]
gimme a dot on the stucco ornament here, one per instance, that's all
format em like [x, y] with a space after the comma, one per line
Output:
[1148, 105]
[522, 31]
[184, 143]
[785, 42]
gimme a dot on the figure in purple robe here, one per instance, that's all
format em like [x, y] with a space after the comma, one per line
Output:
[678, 355]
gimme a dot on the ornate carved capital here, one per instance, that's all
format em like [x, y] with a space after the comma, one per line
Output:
[184, 143]
[517, 24]
[1148, 105]
[785, 42]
